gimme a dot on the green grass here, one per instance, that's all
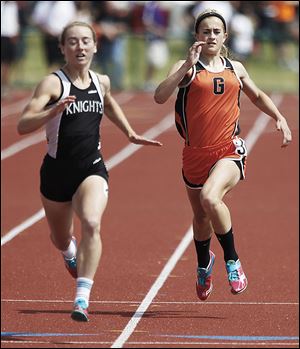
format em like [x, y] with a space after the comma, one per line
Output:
[32, 68]
[269, 75]
[271, 78]
[263, 69]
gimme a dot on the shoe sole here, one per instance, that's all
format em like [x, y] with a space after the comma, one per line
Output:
[211, 288]
[79, 316]
[238, 292]
[210, 291]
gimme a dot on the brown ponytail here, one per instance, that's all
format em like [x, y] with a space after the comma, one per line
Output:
[224, 51]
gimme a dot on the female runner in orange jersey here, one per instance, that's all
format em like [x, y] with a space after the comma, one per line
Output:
[214, 156]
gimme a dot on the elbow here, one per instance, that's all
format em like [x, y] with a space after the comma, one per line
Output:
[257, 97]
[158, 99]
[21, 130]
[253, 97]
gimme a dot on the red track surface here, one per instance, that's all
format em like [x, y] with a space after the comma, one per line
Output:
[146, 218]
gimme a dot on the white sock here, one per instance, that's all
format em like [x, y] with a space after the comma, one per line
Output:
[84, 286]
[70, 252]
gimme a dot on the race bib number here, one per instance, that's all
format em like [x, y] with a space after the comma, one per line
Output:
[240, 147]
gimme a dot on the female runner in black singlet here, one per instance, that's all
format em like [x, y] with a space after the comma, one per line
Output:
[70, 103]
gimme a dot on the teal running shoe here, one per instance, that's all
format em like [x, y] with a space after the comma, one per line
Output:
[236, 276]
[204, 283]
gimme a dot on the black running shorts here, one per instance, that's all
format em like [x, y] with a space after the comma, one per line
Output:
[59, 179]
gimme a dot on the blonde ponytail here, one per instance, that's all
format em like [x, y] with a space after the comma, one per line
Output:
[224, 51]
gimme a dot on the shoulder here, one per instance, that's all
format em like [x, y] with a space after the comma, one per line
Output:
[49, 85]
[104, 81]
[46, 92]
[240, 69]
[249, 86]
[51, 80]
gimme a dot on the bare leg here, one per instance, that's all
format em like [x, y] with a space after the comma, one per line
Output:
[223, 178]
[89, 203]
[202, 226]
[60, 220]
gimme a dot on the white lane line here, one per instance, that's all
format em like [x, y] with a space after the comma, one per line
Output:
[122, 155]
[255, 132]
[160, 344]
[137, 302]
[23, 144]
[124, 97]
[14, 108]
[27, 142]
[155, 131]
[21, 227]
[126, 333]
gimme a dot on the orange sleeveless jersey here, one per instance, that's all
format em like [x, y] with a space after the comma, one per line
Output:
[207, 108]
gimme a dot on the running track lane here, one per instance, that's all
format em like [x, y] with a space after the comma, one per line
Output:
[129, 230]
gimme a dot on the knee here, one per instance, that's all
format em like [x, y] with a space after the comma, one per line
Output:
[209, 201]
[91, 226]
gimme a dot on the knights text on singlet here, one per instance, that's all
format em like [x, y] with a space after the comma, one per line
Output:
[74, 134]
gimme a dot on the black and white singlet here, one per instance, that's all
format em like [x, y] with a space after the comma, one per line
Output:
[74, 134]
[73, 139]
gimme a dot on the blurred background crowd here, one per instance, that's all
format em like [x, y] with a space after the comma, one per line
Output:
[138, 41]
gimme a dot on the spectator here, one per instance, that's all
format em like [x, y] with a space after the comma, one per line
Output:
[136, 18]
[24, 12]
[51, 17]
[242, 29]
[190, 20]
[10, 28]
[155, 19]
[278, 23]
[84, 11]
[285, 16]
[111, 24]
[223, 7]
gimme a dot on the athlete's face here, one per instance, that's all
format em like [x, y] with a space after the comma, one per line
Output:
[211, 30]
[79, 46]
